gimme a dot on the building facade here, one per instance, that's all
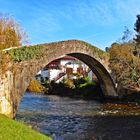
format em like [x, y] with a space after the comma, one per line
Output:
[63, 67]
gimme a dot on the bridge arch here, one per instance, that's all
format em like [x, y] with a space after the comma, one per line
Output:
[20, 73]
[105, 80]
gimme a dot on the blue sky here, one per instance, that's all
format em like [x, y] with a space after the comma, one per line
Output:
[100, 22]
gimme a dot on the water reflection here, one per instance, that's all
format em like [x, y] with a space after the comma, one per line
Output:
[72, 119]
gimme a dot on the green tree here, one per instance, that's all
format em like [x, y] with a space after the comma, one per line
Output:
[137, 29]
[137, 36]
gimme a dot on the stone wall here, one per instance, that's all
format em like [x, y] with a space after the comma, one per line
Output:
[6, 99]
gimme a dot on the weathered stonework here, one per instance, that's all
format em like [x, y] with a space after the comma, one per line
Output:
[6, 102]
[16, 79]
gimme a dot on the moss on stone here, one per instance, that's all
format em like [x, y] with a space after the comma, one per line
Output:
[26, 53]
[100, 53]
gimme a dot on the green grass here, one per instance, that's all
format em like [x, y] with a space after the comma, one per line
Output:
[13, 130]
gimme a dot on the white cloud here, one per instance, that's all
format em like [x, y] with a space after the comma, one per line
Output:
[83, 13]
[102, 13]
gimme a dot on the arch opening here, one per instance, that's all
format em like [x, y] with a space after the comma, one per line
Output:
[69, 76]
[105, 80]
[103, 76]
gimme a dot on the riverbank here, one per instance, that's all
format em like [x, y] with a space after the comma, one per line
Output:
[88, 92]
[14, 130]
[83, 89]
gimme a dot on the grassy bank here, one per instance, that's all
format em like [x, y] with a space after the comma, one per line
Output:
[13, 130]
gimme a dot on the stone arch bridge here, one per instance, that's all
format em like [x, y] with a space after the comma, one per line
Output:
[15, 79]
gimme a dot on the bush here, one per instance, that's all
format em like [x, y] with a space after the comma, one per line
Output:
[69, 83]
[35, 86]
[82, 81]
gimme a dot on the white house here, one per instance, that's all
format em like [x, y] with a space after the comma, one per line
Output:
[62, 67]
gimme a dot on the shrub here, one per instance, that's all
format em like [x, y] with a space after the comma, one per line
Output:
[35, 86]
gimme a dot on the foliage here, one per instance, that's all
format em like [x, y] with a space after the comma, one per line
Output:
[137, 29]
[45, 82]
[133, 97]
[1, 60]
[99, 53]
[35, 86]
[86, 89]
[4, 59]
[127, 36]
[13, 130]
[11, 34]
[26, 53]
[69, 83]
[125, 65]
[82, 81]
[137, 37]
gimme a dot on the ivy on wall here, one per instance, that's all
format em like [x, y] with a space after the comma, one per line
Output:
[36, 51]
[26, 53]
[100, 53]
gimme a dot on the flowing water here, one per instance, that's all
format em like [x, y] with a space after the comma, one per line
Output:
[65, 118]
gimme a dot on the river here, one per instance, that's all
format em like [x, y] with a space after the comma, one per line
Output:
[65, 118]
